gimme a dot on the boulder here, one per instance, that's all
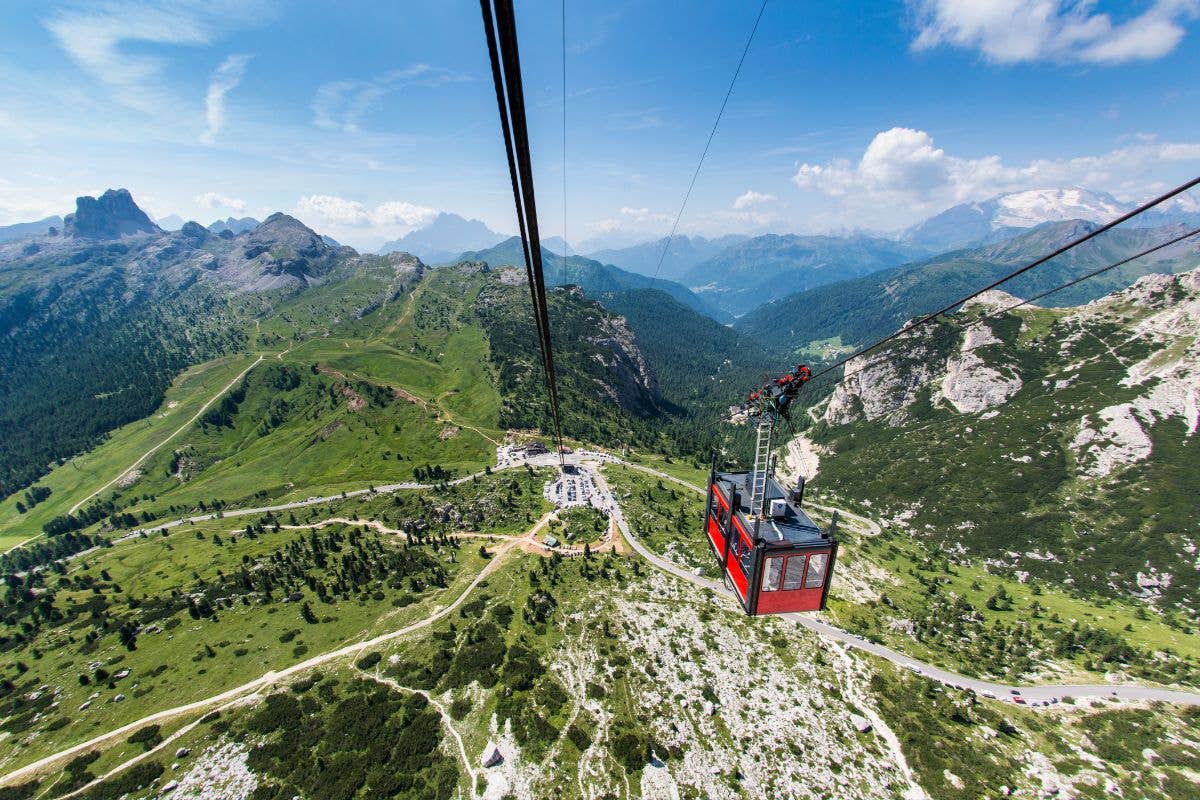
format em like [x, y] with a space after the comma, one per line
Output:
[491, 755]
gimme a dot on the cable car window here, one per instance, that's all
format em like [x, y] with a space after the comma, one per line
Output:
[745, 557]
[793, 576]
[772, 573]
[816, 570]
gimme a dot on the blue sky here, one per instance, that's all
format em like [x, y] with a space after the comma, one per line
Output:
[366, 119]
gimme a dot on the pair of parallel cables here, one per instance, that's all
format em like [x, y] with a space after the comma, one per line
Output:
[500, 28]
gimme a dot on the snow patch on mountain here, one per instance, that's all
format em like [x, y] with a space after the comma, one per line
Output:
[1036, 206]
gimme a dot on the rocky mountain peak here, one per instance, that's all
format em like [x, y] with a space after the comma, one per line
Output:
[111, 216]
[405, 264]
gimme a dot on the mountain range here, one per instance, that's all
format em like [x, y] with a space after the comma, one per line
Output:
[1027, 414]
[684, 253]
[22, 230]
[592, 276]
[269, 531]
[233, 225]
[746, 275]
[112, 288]
[842, 315]
[1008, 214]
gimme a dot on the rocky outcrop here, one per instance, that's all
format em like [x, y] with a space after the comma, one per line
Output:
[1118, 435]
[406, 265]
[282, 251]
[971, 385]
[625, 361]
[1116, 440]
[111, 216]
[882, 386]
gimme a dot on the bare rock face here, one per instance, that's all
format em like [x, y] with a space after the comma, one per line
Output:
[111, 216]
[282, 251]
[625, 362]
[406, 265]
[880, 387]
[1118, 435]
[1118, 439]
[970, 385]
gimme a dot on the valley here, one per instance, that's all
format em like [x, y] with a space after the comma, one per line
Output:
[327, 549]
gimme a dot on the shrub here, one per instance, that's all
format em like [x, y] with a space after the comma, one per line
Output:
[631, 749]
[368, 661]
[460, 707]
[148, 737]
[579, 737]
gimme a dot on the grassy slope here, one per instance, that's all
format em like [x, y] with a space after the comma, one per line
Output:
[1007, 484]
[80, 476]
[156, 565]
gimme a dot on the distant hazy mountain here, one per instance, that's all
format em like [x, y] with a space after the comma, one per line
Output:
[234, 226]
[742, 277]
[590, 275]
[555, 244]
[110, 216]
[685, 252]
[23, 229]
[444, 238]
[856, 311]
[1007, 214]
[171, 222]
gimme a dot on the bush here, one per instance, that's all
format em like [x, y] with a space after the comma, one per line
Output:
[128, 782]
[579, 737]
[460, 708]
[368, 661]
[148, 737]
[280, 711]
[631, 749]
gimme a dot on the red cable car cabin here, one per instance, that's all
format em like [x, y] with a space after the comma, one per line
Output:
[787, 565]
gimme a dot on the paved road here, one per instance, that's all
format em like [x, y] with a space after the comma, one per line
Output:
[818, 626]
[1029, 693]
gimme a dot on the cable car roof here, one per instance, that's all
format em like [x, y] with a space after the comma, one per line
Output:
[795, 527]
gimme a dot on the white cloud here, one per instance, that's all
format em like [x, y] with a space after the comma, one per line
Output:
[214, 200]
[1011, 31]
[224, 80]
[636, 120]
[95, 36]
[902, 175]
[751, 199]
[390, 216]
[341, 105]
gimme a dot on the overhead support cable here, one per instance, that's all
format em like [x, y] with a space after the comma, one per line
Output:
[720, 113]
[564, 124]
[499, 22]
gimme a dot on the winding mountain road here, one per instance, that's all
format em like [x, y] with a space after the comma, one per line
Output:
[1027, 693]
[1041, 694]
